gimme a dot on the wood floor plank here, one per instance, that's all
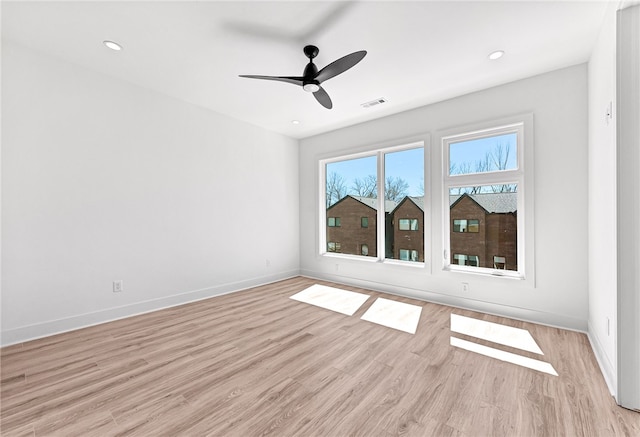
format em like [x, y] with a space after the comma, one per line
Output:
[95, 423]
[18, 431]
[332, 410]
[57, 398]
[256, 362]
[149, 415]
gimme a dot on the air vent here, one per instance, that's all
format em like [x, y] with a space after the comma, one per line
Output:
[375, 102]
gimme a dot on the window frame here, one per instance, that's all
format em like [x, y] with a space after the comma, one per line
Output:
[379, 152]
[522, 126]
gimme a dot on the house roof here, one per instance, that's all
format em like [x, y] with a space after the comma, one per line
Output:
[491, 202]
[371, 202]
[418, 201]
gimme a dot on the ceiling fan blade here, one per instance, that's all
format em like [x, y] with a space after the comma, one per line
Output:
[289, 79]
[323, 98]
[340, 66]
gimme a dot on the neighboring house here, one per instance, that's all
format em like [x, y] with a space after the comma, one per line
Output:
[408, 229]
[352, 223]
[483, 230]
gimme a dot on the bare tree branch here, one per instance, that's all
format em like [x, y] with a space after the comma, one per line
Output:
[335, 188]
[494, 160]
[395, 188]
[421, 187]
[365, 187]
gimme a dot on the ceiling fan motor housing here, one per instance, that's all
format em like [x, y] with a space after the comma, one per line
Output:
[309, 83]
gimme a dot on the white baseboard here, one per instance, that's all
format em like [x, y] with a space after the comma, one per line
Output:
[524, 314]
[51, 327]
[606, 367]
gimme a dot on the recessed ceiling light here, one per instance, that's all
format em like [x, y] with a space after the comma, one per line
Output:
[112, 45]
[295, 121]
[496, 55]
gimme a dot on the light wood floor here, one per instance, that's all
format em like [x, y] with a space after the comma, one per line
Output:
[258, 363]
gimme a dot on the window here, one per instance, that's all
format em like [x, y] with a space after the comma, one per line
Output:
[472, 260]
[359, 210]
[473, 154]
[484, 177]
[349, 198]
[333, 247]
[473, 226]
[408, 224]
[408, 255]
[465, 225]
[404, 189]
[466, 260]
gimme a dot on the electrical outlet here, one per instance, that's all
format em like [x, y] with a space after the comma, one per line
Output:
[268, 263]
[117, 286]
[465, 286]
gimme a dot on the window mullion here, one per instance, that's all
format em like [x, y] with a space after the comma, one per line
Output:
[381, 218]
[322, 205]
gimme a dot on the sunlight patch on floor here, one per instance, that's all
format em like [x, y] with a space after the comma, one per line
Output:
[508, 357]
[392, 314]
[334, 299]
[496, 333]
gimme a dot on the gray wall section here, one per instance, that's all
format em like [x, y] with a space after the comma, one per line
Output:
[628, 134]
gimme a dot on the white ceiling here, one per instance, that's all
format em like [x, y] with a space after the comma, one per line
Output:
[419, 52]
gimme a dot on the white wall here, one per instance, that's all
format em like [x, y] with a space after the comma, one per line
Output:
[104, 181]
[602, 199]
[558, 101]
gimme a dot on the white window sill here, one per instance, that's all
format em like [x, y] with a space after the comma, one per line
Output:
[410, 264]
[371, 259]
[482, 271]
[338, 255]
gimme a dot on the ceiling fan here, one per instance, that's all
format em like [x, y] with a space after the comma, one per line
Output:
[312, 78]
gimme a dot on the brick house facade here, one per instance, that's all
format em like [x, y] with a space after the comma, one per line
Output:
[483, 230]
[408, 239]
[351, 227]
